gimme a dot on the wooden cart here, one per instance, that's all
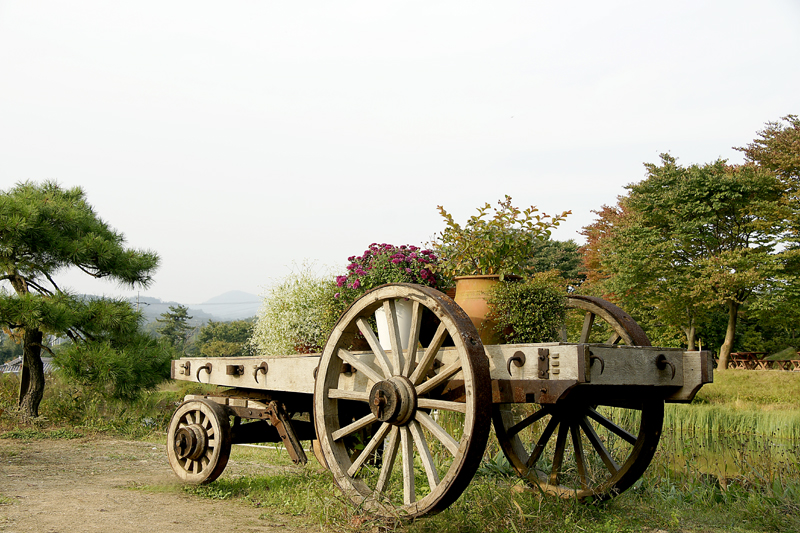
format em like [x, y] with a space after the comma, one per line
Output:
[403, 431]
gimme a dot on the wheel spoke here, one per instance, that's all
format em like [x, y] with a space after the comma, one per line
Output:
[389, 456]
[542, 442]
[352, 428]
[444, 405]
[440, 378]
[558, 456]
[614, 338]
[437, 431]
[369, 449]
[390, 310]
[380, 355]
[430, 354]
[413, 340]
[588, 321]
[519, 426]
[580, 458]
[424, 454]
[611, 426]
[359, 365]
[407, 446]
[601, 450]
[341, 394]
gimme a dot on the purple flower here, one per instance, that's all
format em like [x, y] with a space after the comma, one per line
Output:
[337, 294]
[356, 284]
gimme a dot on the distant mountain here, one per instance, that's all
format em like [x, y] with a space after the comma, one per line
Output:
[153, 308]
[232, 305]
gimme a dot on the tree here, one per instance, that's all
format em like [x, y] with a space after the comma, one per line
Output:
[687, 239]
[562, 256]
[45, 230]
[219, 339]
[777, 149]
[174, 326]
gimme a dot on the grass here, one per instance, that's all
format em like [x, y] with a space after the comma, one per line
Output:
[37, 434]
[662, 500]
[71, 407]
[761, 390]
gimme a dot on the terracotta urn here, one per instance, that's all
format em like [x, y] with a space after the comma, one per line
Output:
[471, 292]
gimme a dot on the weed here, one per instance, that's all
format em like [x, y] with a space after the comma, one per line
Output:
[24, 434]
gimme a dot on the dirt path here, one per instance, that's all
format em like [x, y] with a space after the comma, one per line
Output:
[87, 485]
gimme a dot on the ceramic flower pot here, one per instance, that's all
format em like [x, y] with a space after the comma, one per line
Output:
[471, 293]
[403, 308]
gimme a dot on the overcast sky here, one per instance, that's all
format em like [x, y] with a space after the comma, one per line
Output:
[237, 138]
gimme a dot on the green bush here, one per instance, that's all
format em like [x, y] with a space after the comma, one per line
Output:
[117, 371]
[531, 310]
[298, 314]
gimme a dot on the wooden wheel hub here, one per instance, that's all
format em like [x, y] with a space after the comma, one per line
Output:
[191, 442]
[393, 400]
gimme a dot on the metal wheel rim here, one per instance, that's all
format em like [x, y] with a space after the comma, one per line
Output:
[400, 445]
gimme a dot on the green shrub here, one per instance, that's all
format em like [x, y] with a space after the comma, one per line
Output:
[298, 314]
[530, 310]
[117, 371]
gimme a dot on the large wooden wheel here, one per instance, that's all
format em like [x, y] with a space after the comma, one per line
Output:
[429, 407]
[582, 446]
[199, 441]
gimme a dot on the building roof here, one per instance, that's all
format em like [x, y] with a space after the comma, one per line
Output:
[15, 365]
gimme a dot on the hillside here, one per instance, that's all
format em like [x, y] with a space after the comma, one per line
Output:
[232, 305]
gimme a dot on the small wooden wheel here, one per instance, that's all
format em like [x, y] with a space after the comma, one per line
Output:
[199, 441]
[584, 447]
[623, 328]
[428, 407]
